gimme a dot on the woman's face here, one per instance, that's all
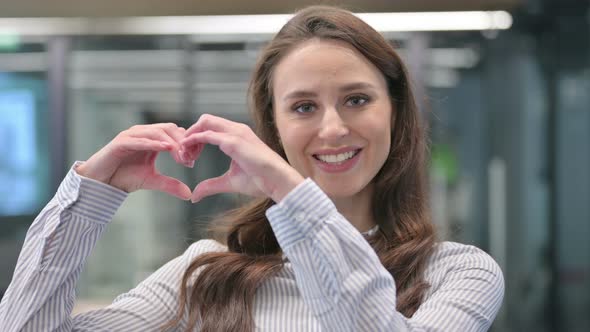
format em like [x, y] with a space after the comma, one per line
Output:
[333, 115]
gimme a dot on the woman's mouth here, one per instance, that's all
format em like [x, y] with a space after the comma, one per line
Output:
[337, 162]
[336, 158]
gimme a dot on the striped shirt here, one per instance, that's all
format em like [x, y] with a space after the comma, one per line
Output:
[332, 279]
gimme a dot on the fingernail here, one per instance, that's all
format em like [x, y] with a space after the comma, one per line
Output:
[185, 155]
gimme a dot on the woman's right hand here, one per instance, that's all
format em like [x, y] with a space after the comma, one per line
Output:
[128, 161]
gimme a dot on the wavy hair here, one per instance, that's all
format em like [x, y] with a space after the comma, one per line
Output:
[223, 284]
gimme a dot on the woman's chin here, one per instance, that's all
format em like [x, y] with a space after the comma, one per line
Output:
[339, 190]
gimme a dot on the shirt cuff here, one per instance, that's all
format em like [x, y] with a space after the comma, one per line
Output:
[89, 198]
[303, 210]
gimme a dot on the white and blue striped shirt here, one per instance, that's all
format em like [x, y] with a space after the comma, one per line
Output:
[332, 281]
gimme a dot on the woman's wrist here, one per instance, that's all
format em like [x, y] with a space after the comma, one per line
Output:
[286, 184]
[83, 170]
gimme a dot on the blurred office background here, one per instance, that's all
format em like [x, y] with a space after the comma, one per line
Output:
[507, 102]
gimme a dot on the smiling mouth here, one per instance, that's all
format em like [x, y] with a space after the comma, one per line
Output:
[336, 159]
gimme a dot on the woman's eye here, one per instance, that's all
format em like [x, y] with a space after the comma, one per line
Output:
[303, 108]
[357, 101]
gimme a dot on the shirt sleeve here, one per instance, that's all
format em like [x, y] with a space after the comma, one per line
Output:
[347, 289]
[42, 292]
[152, 303]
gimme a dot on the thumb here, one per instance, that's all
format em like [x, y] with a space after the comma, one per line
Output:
[168, 185]
[217, 185]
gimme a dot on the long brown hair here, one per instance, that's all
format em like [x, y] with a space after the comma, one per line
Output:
[223, 284]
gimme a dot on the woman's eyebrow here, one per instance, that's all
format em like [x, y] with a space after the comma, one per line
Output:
[344, 88]
[300, 94]
[356, 86]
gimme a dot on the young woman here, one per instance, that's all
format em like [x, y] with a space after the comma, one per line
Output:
[338, 237]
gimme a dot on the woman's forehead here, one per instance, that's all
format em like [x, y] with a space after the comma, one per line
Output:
[324, 62]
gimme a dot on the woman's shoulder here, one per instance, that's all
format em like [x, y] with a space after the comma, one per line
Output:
[449, 248]
[452, 257]
[202, 247]
[465, 282]
[467, 277]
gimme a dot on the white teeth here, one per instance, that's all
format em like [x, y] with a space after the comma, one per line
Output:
[336, 158]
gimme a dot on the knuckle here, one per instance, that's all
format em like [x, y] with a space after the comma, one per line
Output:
[228, 149]
[162, 133]
[230, 145]
[122, 135]
[234, 142]
[244, 128]
[205, 117]
[208, 134]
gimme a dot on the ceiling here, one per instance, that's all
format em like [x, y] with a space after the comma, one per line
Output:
[118, 8]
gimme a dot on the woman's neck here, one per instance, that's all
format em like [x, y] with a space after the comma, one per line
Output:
[357, 209]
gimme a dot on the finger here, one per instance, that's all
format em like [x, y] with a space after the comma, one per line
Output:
[215, 123]
[161, 132]
[164, 126]
[226, 142]
[141, 144]
[168, 132]
[168, 185]
[177, 134]
[209, 187]
[233, 146]
[153, 133]
[191, 153]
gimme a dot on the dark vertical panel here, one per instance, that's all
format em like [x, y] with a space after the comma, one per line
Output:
[504, 123]
[517, 120]
[564, 46]
[57, 53]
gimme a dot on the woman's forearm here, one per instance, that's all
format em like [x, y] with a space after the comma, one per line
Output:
[42, 292]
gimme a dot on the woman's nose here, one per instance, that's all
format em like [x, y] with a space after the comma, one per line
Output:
[332, 125]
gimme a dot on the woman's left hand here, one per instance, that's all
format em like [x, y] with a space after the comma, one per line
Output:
[255, 169]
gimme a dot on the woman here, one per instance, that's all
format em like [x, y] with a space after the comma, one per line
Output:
[339, 238]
